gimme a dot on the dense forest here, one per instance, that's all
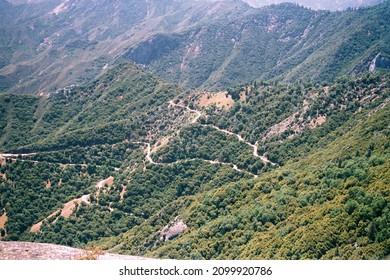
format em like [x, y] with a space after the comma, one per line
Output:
[196, 129]
[133, 164]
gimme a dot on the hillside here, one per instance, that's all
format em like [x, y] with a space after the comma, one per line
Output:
[194, 129]
[284, 42]
[209, 44]
[329, 200]
[54, 44]
[319, 4]
[133, 164]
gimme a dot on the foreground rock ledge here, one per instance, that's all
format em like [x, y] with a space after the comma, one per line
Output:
[40, 251]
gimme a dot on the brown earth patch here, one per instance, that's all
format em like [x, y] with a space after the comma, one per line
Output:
[243, 96]
[160, 144]
[317, 122]
[122, 194]
[247, 91]
[66, 211]
[48, 184]
[3, 220]
[37, 226]
[3, 161]
[70, 207]
[220, 99]
[105, 184]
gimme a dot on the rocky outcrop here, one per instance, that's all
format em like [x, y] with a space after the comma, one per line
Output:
[40, 251]
[172, 230]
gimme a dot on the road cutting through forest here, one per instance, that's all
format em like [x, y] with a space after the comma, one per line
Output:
[255, 147]
[148, 150]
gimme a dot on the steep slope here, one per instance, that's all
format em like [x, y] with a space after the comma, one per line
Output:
[109, 109]
[91, 146]
[285, 42]
[211, 44]
[135, 166]
[331, 202]
[319, 4]
[73, 41]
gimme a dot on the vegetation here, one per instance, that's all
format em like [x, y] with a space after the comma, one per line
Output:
[331, 204]
[209, 144]
[284, 117]
[328, 200]
[184, 43]
[281, 42]
[132, 164]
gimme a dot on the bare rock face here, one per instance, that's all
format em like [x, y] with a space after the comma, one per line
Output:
[39, 251]
[172, 230]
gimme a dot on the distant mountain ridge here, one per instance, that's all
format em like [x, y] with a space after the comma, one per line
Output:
[285, 42]
[72, 41]
[210, 44]
[319, 4]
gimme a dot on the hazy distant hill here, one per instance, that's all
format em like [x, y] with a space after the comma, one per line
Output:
[53, 44]
[316, 4]
[286, 42]
[319, 4]
[194, 43]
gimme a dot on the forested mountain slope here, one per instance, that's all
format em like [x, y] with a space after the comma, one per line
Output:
[329, 199]
[319, 4]
[136, 165]
[54, 44]
[284, 42]
[209, 44]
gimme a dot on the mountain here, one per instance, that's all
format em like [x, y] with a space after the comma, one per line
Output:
[73, 41]
[132, 164]
[319, 4]
[196, 44]
[279, 151]
[284, 42]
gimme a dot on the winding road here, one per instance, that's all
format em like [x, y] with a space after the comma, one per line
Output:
[148, 150]
[255, 146]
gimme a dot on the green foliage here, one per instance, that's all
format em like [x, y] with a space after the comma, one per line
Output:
[28, 200]
[209, 144]
[328, 200]
[307, 210]
[183, 42]
[272, 106]
[119, 105]
[284, 42]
